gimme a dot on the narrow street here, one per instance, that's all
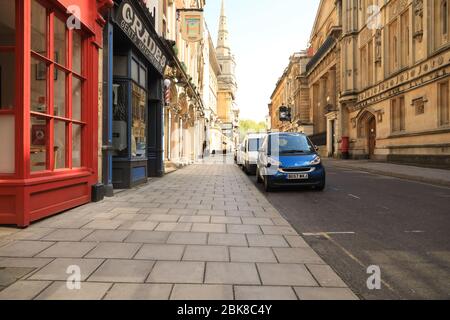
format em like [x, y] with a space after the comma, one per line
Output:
[202, 232]
[365, 219]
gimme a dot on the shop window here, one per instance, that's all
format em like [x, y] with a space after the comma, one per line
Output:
[59, 102]
[38, 28]
[134, 70]
[142, 77]
[7, 23]
[76, 146]
[60, 42]
[139, 128]
[39, 71]
[76, 52]
[7, 86]
[441, 22]
[56, 92]
[59, 145]
[120, 120]
[38, 144]
[443, 96]
[120, 68]
[7, 80]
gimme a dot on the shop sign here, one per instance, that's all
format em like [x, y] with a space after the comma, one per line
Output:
[130, 21]
[192, 25]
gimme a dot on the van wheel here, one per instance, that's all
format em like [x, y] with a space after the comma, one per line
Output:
[258, 176]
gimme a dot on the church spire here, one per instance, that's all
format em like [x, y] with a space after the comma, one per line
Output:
[223, 47]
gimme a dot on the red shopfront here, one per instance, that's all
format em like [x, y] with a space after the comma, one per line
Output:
[48, 106]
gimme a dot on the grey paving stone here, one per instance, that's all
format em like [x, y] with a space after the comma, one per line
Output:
[257, 221]
[177, 272]
[139, 226]
[107, 236]
[296, 242]
[10, 275]
[173, 205]
[231, 273]
[163, 218]
[148, 237]
[326, 276]
[239, 213]
[243, 229]
[68, 223]
[169, 227]
[24, 248]
[187, 238]
[31, 234]
[226, 220]
[67, 235]
[195, 219]
[280, 222]
[211, 212]
[57, 269]
[226, 239]
[275, 241]
[123, 271]
[131, 217]
[183, 212]
[103, 225]
[127, 291]
[24, 262]
[206, 253]
[68, 250]
[122, 210]
[202, 292]
[280, 230]
[154, 210]
[285, 275]
[88, 291]
[325, 293]
[163, 252]
[209, 228]
[114, 250]
[23, 290]
[297, 255]
[252, 255]
[259, 293]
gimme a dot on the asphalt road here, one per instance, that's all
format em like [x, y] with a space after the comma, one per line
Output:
[362, 219]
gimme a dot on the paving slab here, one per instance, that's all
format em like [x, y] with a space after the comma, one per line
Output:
[231, 273]
[285, 275]
[275, 241]
[126, 271]
[148, 237]
[206, 253]
[24, 248]
[238, 254]
[67, 235]
[258, 293]
[114, 250]
[107, 236]
[326, 276]
[226, 239]
[57, 270]
[163, 252]
[325, 294]
[67, 250]
[202, 292]
[87, 291]
[129, 291]
[177, 272]
[24, 290]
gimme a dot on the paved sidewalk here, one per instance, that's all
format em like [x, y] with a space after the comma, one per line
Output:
[203, 232]
[420, 174]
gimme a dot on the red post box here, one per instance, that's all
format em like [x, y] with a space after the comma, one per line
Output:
[345, 147]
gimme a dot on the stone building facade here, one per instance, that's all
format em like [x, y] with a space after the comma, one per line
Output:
[396, 80]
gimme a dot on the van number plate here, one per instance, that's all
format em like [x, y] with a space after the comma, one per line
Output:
[298, 176]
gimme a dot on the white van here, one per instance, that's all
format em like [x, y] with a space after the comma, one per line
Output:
[252, 143]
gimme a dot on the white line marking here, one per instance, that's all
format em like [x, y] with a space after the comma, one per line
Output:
[415, 231]
[322, 233]
[353, 196]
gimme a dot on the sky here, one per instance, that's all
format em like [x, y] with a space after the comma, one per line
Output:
[263, 35]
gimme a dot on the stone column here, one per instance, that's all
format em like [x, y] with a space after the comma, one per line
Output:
[323, 102]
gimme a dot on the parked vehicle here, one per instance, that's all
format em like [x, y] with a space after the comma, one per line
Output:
[289, 159]
[252, 144]
[240, 155]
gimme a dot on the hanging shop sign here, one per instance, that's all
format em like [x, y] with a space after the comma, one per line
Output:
[132, 23]
[192, 25]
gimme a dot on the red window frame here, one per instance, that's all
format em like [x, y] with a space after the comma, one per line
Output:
[65, 69]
